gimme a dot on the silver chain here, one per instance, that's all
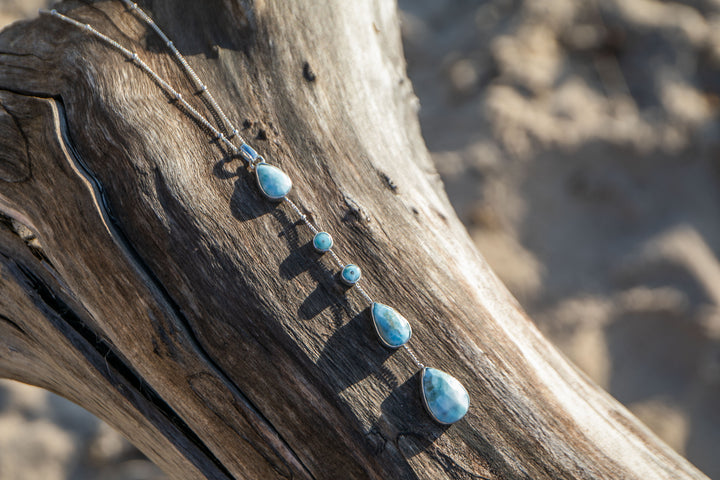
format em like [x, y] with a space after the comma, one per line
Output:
[174, 94]
[197, 83]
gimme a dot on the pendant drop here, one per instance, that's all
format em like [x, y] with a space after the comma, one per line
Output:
[444, 396]
[273, 182]
[392, 328]
[322, 242]
[350, 274]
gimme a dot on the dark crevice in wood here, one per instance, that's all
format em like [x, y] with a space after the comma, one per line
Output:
[308, 73]
[104, 350]
[28, 93]
[18, 54]
[7, 222]
[121, 238]
[389, 182]
[12, 323]
[31, 242]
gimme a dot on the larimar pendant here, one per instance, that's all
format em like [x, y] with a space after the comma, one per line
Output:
[444, 396]
[273, 182]
[392, 328]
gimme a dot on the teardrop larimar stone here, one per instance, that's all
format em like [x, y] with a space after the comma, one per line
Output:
[444, 396]
[273, 182]
[392, 328]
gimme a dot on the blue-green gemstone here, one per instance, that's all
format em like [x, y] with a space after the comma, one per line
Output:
[350, 274]
[273, 182]
[322, 241]
[392, 328]
[444, 396]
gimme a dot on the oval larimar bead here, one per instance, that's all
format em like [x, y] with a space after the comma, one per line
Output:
[273, 182]
[322, 241]
[392, 328]
[444, 396]
[350, 274]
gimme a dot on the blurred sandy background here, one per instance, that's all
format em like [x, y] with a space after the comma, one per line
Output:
[579, 143]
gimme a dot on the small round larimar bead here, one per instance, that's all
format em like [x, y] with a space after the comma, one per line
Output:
[350, 274]
[322, 242]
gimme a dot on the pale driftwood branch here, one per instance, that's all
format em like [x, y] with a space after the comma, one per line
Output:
[145, 278]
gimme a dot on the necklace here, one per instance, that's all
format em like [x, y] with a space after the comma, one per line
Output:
[444, 397]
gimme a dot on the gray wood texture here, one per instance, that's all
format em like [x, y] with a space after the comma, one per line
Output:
[145, 278]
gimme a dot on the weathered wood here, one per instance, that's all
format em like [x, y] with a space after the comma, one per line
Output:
[144, 277]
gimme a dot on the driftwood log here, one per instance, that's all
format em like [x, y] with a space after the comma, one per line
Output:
[144, 277]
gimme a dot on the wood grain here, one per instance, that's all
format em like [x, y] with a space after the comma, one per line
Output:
[147, 280]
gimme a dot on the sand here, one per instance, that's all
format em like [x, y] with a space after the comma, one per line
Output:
[578, 141]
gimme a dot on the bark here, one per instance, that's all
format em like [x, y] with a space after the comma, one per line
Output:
[145, 278]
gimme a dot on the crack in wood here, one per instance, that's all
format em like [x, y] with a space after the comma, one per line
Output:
[104, 350]
[121, 239]
[12, 324]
